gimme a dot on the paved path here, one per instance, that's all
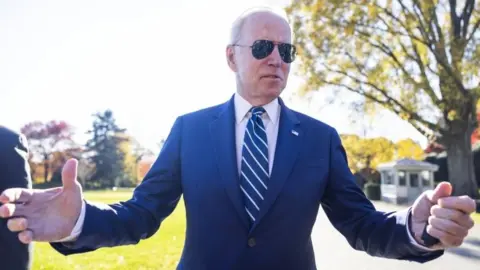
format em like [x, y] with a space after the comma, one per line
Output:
[333, 252]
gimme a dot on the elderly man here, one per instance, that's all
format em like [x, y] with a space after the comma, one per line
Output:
[14, 173]
[253, 174]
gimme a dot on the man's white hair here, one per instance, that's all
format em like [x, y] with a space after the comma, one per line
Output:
[237, 25]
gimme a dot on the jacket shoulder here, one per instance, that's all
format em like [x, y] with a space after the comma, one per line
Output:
[204, 113]
[9, 137]
[314, 123]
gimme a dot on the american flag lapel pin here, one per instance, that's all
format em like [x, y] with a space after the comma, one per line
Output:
[294, 132]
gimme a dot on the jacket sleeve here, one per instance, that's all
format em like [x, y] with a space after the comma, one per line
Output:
[378, 233]
[125, 223]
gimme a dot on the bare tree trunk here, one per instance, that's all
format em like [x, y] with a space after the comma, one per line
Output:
[460, 165]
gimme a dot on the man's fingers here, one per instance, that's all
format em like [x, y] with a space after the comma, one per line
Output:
[448, 226]
[26, 236]
[444, 237]
[462, 203]
[12, 210]
[462, 219]
[16, 195]
[17, 224]
[445, 213]
[7, 210]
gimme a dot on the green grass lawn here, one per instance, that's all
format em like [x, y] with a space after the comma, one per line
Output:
[161, 251]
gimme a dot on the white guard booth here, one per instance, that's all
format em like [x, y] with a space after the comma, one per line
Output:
[402, 181]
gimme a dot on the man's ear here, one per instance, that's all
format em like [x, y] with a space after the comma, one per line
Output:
[230, 53]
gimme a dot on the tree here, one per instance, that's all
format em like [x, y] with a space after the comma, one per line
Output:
[140, 153]
[46, 139]
[105, 151]
[367, 153]
[436, 147]
[418, 59]
[59, 158]
[408, 148]
[133, 153]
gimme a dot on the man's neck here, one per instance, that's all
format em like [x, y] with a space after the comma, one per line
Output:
[256, 101]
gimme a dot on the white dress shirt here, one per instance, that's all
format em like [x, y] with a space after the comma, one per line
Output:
[271, 123]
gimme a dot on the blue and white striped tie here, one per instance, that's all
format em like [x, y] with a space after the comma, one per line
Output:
[254, 169]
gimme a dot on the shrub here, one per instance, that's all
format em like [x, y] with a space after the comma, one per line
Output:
[373, 191]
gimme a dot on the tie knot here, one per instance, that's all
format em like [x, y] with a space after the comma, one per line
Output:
[257, 111]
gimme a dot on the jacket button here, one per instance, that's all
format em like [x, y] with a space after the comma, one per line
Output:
[251, 242]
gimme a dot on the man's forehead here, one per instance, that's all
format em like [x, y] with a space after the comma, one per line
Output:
[264, 25]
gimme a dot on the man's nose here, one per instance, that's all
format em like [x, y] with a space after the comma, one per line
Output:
[274, 58]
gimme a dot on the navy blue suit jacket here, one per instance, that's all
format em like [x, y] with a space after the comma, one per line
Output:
[198, 160]
[14, 173]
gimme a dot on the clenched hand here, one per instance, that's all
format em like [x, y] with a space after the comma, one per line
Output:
[446, 217]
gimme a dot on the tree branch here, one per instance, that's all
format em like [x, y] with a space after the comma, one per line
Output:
[412, 120]
[389, 30]
[475, 28]
[454, 18]
[465, 16]
[421, 27]
[389, 100]
[401, 66]
[422, 67]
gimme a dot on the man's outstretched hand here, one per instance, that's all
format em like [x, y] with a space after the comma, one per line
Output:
[446, 217]
[44, 215]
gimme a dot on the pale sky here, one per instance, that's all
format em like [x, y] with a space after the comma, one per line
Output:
[149, 61]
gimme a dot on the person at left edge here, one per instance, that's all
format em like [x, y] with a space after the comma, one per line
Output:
[14, 173]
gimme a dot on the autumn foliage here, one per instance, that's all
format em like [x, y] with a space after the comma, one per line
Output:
[51, 144]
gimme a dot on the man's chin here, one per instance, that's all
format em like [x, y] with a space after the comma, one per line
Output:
[273, 91]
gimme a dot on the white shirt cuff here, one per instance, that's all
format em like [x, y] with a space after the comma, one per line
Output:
[412, 239]
[78, 226]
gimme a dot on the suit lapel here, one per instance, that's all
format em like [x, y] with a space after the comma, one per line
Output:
[222, 130]
[288, 144]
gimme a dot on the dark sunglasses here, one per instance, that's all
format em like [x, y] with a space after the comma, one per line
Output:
[263, 48]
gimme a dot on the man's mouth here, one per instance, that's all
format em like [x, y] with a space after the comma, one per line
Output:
[271, 76]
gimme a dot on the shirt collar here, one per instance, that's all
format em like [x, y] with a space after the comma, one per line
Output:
[242, 107]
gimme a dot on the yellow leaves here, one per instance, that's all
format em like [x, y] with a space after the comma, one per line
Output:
[359, 46]
[372, 11]
[405, 116]
[407, 148]
[422, 51]
[367, 152]
[408, 97]
[428, 5]
[370, 152]
[452, 115]
[350, 28]
[318, 6]
[378, 75]
[129, 160]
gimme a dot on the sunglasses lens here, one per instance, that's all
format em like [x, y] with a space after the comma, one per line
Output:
[262, 48]
[287, 52]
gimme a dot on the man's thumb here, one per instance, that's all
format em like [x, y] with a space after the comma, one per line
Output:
[444, 189]
[69, 173]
